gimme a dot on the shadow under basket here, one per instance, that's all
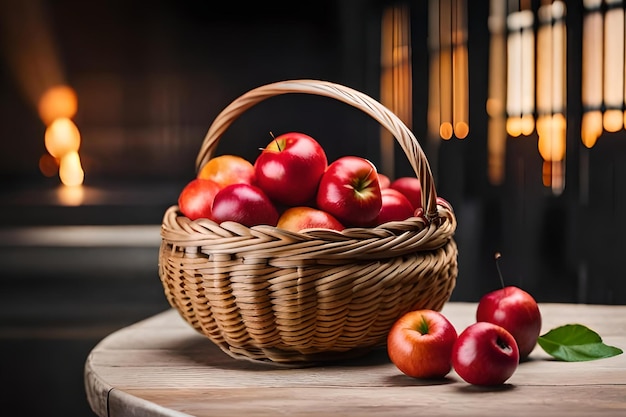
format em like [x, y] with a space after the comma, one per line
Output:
[268, 295]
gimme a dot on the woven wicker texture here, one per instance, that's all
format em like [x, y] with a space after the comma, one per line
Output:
[268, 295]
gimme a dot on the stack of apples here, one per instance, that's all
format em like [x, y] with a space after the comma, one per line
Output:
[425, 344]
[292, 185]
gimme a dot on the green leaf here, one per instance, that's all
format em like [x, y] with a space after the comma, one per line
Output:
[576, 343]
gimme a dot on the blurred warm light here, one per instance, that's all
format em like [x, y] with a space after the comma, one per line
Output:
[62, 136]
[71, 195]
[551, 56]
[461, 130]
[48, 165]
[551, 91]
[520, 72]
[613, 120]
[493, 106]
[496, 91]
[551, 131]
[514, 126]
[445, 130]
[613, 67]
[591, 127]
[448, 107]
[57, 102]
[434, 104]
[603, 69]
[592, 58]
[527, 124]
[30, 47]
[553, 175]
[70, 169]
[460, 105]
[396, 75]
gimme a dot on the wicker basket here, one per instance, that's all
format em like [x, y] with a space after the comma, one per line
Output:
[268, 295]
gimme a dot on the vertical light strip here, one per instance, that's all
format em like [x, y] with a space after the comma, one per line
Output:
[592, 63]
[386, 89]
[559, 96]
[551, 92]
[396, 76]
[449, 73]
[520, 73]
[434, 93]
[460, 80]
[621, 5]
[445, 69]
[496, 131]
[613, 119]
[624, 62]
[528, 73]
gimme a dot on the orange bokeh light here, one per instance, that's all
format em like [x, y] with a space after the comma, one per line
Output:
[48, 165]
[57, 102]
[61, 137]
[70, 170]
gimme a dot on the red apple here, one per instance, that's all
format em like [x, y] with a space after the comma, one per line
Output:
[228, 169]
[420, 344]
[349, 190]
[411, 188]
[196, 198]
[384, 181]
[245, 204]
[289, 168]
[444, 203]
[299, 218]
[395, 206]
[485, 354]
[516, 311]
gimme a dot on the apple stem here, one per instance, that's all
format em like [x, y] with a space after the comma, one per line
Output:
[277, 144]
[497, 257]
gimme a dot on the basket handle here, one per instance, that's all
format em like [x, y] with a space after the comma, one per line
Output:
[361, 101]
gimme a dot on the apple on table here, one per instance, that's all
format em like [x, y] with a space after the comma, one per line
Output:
[485, 354]
[420, 344]
[514, 309]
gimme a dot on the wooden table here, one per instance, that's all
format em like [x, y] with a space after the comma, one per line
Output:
[162, 367]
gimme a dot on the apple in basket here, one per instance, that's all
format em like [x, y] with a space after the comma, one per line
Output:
[384, 181]
[420, 344]
[485, 354]
[228, 169]
[411, 187]
[295, 219]
[196, 198]
[289, 168]
[350, 191]
[395, 206]
[244, 203]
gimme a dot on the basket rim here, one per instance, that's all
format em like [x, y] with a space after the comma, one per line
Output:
[384, 116]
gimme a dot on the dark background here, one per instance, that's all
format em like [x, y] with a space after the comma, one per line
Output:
[150, 78]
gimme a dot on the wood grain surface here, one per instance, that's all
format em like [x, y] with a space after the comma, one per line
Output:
[162, 367]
